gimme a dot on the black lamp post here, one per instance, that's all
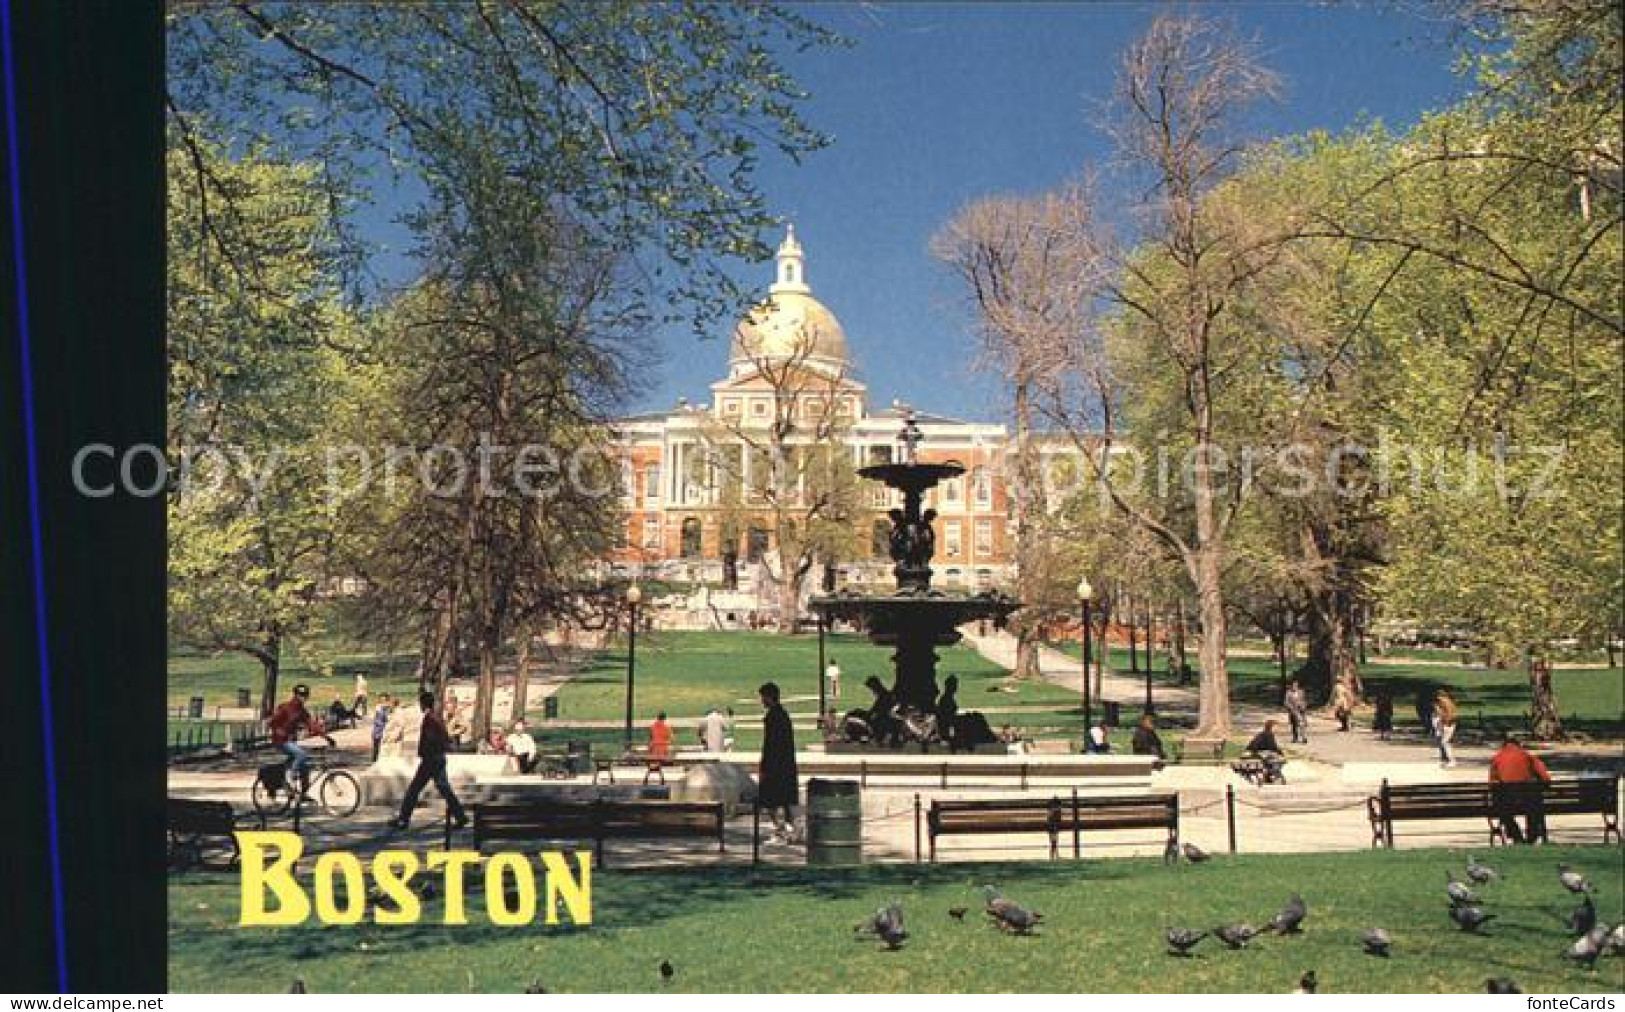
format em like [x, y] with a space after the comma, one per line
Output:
[633, 596]
[1086, 594]
[823, 704]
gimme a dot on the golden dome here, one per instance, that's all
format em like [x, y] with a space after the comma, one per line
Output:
[791, 324]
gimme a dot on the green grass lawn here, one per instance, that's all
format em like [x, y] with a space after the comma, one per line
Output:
[217, 677]
[1591, 700]
[686, 673]
[735, 930]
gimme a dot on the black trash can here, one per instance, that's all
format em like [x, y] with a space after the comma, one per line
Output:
[1114, 712]
[834, 822]
[245, 698]
[194, 708]
[550, 707]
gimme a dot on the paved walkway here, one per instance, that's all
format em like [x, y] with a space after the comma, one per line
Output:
[1321, 808]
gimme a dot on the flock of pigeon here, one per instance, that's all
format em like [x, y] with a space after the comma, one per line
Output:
[1466, 910]
[886, 924]
[1595, 939]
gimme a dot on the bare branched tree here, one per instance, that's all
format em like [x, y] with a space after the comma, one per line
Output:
[1031, 267]
[790, 468]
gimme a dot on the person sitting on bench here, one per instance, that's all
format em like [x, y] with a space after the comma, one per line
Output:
[1517, 786]
[339, 715]
[884, 727]
[1267, 751]
[522, 746]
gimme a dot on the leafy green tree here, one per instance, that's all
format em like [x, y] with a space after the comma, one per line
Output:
[252, 302]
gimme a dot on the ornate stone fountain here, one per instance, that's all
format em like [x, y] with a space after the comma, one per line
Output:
[914, 619]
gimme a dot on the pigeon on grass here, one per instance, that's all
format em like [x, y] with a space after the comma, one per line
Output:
[1377, 942]
[1182, 940]
[1470, 919]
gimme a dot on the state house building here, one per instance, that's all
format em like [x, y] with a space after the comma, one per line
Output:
[674, 464]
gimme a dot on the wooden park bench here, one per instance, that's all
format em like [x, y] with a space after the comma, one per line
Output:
[597, 821]
[191, 822]
[1053, 816]
[1432, 802]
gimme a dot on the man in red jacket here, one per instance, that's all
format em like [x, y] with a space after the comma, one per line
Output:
[286, 722]
[433, 744]
[1517, 783]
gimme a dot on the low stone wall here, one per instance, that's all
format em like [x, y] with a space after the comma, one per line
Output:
[385, 781]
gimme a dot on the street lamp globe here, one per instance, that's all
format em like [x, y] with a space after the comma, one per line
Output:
[634, 594]
[1085, 592]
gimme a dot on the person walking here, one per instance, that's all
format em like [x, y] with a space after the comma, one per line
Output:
[399, 739]
[380, 721]
[1444, 726]
[832, 678]
[360, 704]
[1297, 712]
[433, 744]
[779, 789]
[1518, 782]
[1382, 714]
[1343, 704]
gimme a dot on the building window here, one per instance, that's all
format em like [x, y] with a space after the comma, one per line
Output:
[651, 532]
[984, 579]
[758, 409]
[651, 485]
[983, 487]
[984, 538]
[629, 482]
[953, 490]
[755, 544]
[730, 406]
[879, 455]
[691, 537]
[951, 539]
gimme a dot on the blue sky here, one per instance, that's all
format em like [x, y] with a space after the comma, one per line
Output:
[938, 104]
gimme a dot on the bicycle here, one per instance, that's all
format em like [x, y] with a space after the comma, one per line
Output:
[336, 790]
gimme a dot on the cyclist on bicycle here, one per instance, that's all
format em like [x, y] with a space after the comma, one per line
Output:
[286, 724]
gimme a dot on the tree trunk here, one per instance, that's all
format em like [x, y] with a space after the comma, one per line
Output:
[789, 595]
[1213, 688]
[1133, 638]
[1331, 648]
[1177, 643]
[1026, 651]
[271, 666]
[1103, 618]
[521, 675]
[1544, 722]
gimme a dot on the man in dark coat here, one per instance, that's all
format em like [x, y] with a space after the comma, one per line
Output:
[433, 744]
[779, 789]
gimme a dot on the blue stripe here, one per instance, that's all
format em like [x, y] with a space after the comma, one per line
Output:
[47, 720]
